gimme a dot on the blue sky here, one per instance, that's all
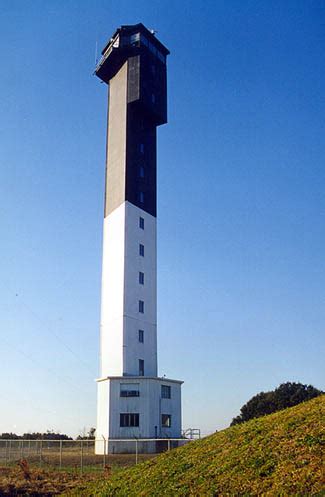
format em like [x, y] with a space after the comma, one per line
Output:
[241, 203]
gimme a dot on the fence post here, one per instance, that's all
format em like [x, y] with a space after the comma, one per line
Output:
[81, 455]
[60, 454]
[6, 452]
[168, 443]
[9, 454]
[104, 453]
[40, 452]
[136, 451]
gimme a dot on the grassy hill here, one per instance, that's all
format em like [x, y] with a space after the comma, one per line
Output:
[275, 455]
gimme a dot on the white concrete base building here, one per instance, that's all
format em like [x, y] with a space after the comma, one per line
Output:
[140, 408]
[133, 402]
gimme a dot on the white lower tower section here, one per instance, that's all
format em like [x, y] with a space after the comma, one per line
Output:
[129, 294]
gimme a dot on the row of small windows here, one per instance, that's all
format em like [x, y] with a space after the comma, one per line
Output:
[136, 39]
[132, 419]
[129, 393]
[141, 302]
[133, 389]
[129, 390]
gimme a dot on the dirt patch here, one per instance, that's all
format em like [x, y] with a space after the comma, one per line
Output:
[16, 481]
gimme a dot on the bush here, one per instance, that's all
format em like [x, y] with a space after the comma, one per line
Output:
[286, 395]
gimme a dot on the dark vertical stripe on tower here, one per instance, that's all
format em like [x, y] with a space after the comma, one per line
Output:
[141, 161]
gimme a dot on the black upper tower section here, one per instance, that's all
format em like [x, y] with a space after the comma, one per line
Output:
[147, 76]
[134, 65]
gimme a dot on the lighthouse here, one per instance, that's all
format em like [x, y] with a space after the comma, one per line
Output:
[133, 401]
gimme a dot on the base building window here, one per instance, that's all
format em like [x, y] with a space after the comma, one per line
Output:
[129, 390]
[165, 392]
[166, 420]
[129, 419]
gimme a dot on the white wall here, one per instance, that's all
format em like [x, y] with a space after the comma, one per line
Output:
[133, 349]
[150, 407]
[103, 409]
[121, 292]
[112, 303]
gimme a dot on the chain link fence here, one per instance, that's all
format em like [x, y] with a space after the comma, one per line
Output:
[80, 455]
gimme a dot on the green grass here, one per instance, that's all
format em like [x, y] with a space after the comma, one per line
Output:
[276, 455]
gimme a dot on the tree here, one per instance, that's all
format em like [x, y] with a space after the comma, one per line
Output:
[87, 434]
[92, 433]
[286, 395]
[49, 435]
[9, 436]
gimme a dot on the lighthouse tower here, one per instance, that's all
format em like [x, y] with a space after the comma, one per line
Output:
[133, 402]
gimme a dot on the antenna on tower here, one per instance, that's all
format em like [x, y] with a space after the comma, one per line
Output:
[96, 53]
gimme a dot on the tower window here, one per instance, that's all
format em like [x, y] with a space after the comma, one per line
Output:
[161, 57]
[165, 392]
[141, 223]
[141, 336]
[153, 98]
[153, 69]
[129, 419]
[141, 306]
[152, 48]
[141, 148]
[135, 39]
[141, 172]
[141, 367]
[166, 420]
[141, 197]
[144, 40]
[141, 250]
[141, 278]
